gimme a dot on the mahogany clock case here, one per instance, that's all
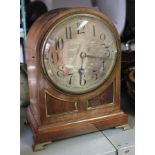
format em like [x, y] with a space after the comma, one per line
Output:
[53, 114]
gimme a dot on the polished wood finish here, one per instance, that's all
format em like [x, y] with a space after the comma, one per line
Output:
[105, 97]
[54, 114]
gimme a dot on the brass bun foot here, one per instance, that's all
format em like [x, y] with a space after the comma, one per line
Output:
[39, 147]
[125, 126]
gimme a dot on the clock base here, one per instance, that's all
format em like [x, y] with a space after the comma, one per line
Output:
[43, 134]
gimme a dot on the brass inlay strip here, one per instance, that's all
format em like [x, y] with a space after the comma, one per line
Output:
[100, 106]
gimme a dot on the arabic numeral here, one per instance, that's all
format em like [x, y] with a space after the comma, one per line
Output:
[59, 44]
[70, 78]
[95, 75]
[102, 38]
[68, 33]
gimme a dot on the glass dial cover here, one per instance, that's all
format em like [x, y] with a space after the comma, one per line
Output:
[79, 53]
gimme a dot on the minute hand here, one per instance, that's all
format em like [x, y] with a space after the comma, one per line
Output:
[82, 70]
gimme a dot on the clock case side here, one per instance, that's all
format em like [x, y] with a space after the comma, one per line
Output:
[32, 60]
[43, 126]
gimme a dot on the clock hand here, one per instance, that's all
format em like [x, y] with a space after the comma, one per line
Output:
[82, 56]
[82, 70]
[92, 56]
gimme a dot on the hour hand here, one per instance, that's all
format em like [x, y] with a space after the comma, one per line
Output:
[93, 56]
[84, 55]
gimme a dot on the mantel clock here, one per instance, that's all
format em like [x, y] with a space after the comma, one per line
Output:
[74, 61]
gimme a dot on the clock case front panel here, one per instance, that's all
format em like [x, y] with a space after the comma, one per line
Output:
[55, 115]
